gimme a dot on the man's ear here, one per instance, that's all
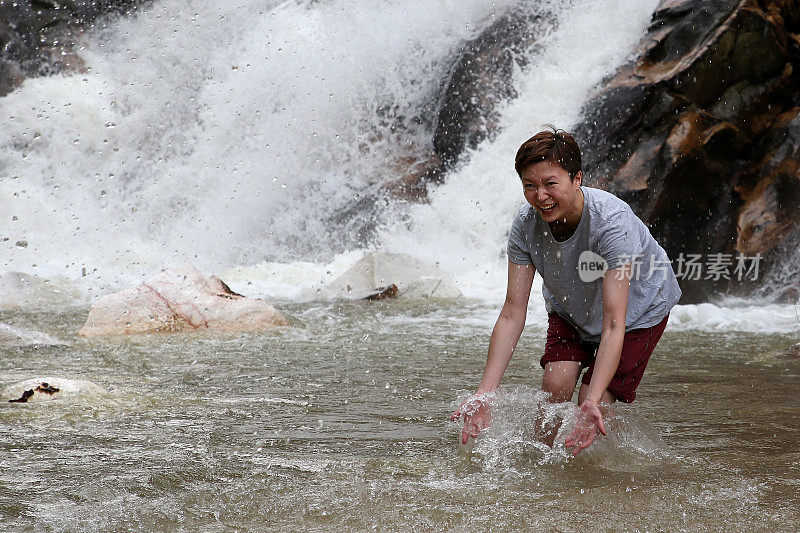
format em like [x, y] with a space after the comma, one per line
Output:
[579, 177]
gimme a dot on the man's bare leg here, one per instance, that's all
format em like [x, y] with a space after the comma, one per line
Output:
[559, 379]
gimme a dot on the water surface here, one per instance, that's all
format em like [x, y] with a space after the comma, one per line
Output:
[342, 422]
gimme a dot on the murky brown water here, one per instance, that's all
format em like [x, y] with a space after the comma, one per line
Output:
[342, 423]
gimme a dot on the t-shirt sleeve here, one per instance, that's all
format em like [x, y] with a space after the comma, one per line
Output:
[616, 243]
[517, 248]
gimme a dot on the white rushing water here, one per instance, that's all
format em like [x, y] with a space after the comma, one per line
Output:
[219, 134]
[232, 134]
[254, 137]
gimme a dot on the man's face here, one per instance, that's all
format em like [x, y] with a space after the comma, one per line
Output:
[549, 189]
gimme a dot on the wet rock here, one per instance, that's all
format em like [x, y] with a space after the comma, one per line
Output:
[24, 398]
[793, 351]
[699, 132]
[19, 290]
[37, 37]
[49, 388]
[46, 388]
[179, 299]
[480, 79]
[382, 293]
[412, 174]
[770, 187]
[14, 336]
[377, 269]
[43, 388]
[429, 287]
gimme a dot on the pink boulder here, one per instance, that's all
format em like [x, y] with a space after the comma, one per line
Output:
[179, 299]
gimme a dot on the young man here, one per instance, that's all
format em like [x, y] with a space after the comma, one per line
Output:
[608, 289]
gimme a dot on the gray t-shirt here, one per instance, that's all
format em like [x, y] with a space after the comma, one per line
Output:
[608, 228]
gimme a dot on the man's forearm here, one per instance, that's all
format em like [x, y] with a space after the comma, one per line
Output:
[606, 363]
[504, 339]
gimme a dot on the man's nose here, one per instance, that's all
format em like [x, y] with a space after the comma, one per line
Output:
[541, 195]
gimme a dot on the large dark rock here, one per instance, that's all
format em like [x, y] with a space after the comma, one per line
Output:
[480, 79]
[700, 133]
[37, 36]
[465, 111]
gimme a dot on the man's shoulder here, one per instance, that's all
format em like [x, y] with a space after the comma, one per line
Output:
[605, 205]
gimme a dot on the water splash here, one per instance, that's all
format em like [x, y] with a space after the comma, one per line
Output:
[523, 418]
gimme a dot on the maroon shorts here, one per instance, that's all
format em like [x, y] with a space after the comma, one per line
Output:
[564, 344]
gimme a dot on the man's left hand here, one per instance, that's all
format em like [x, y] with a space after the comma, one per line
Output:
[590, 421]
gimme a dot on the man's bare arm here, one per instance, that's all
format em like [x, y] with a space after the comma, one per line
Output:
[616, 284]
[505, 336]
[509, 325]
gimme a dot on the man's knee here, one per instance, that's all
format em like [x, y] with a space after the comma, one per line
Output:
[559, 380]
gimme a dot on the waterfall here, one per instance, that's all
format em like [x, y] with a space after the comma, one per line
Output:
[225, 134]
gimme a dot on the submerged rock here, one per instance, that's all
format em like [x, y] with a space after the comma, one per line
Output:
[47, 388]
[179, 299]
[377, 270]
[13, 336]
[20, 290]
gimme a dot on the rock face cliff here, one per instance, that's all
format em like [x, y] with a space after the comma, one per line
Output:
[478, 80]
[37, 36]
[701, 133]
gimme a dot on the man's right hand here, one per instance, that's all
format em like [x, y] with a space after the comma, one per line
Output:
[477, 416]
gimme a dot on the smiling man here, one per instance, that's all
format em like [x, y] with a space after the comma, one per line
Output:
[608, 289]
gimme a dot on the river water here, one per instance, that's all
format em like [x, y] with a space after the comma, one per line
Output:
[342, 422]
[247, 139]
